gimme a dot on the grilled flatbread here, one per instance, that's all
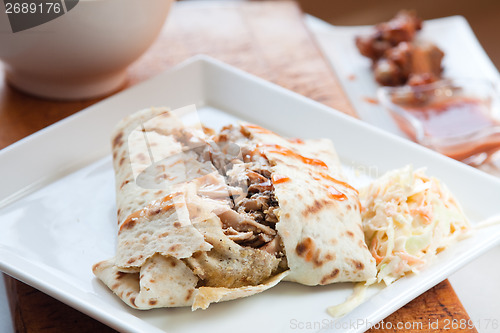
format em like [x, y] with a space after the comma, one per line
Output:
[320, 222]
[206, 217]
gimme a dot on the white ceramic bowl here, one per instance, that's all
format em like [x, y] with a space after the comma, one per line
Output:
[83, 53]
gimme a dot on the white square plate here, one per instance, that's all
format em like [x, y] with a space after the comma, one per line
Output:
[464, 58]
[57, 213]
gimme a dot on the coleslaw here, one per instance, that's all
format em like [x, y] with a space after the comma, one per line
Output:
[408, 218]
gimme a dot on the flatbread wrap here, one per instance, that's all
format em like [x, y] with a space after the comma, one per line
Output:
[205, 217]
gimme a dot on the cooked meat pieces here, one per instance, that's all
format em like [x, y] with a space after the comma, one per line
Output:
[421, 79]
[426, 59]
[273, 247]
[257, 202]
[412, 63]
[238, 236]
[260, 187]
[213, 188]
[256, 178]
[228, 264]
[402, 28]
[388, 73]
[372, 47]
[263, 205]
[398, 59]
[272, 214]
[243, 222]
[253, 211]
[395, 67]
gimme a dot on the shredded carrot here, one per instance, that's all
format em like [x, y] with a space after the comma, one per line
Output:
[373, 251]
[424, 212]
[411, 260]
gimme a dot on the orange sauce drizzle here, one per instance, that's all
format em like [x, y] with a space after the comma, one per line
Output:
[259, 129]
[336, 181]
[170, 196]
[277, 149]
[296, 140]
[370, 100]
[131, 217]
[333, 192]
[278, 179]
[153, 206]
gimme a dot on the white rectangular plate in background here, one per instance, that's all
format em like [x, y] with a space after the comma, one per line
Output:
[464, 58]
[58, 213]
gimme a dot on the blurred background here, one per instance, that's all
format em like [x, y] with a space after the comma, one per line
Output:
[483, 15]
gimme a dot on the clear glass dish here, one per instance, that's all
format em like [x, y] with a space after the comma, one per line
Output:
[459, 118]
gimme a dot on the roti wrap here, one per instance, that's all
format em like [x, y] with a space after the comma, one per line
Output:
[206, 217]
[320, 221]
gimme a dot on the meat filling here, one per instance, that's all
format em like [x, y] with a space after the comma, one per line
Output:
[251, 221]
[397, 58]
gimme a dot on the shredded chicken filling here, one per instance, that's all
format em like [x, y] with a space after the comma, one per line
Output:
[251, 221]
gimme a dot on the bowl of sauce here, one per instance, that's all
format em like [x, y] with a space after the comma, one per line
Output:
[459, 118]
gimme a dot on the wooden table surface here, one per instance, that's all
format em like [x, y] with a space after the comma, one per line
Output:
[267, 39]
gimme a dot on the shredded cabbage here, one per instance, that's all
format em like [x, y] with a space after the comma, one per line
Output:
[408, 218]
[356, 298]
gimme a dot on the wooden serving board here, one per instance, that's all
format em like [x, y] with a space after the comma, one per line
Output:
[267, 39]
